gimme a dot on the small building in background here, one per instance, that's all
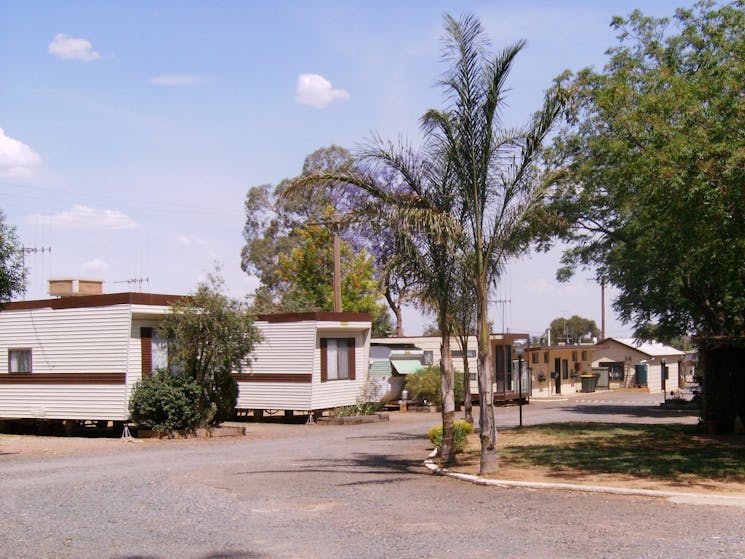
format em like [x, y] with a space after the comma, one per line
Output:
[558, 369]
[630, 363]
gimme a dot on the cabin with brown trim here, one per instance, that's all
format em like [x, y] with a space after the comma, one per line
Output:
[306, 362]
[78, 357]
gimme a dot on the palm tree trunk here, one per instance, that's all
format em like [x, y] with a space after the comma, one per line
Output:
[447, 450]
[487, 424]
[467, 403]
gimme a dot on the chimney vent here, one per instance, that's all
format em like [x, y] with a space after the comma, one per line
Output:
[68, 287]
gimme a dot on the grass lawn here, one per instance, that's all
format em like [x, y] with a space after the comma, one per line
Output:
[671, 457]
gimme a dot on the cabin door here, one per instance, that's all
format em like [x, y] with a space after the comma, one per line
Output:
[557, 375]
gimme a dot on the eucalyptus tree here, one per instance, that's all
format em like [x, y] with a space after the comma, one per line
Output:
[495, 171]
[12, 272]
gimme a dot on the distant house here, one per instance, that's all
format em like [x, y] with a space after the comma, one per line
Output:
[504, 360]
[558, 369]
[629, 363]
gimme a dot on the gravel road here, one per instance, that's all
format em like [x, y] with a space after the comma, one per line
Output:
[333, 491]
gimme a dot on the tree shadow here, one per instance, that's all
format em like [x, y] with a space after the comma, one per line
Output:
[632, 411]
[392, 469]
[671, 453]
[215, 555]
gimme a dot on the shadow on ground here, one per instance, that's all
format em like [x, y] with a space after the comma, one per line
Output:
[216, 555]
[671, 453]
[383, 468]
[632, 411]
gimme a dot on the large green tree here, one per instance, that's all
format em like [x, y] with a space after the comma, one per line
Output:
[289, 248]
[12, 274]
[495, 169]
[573, 329]
[654, 149]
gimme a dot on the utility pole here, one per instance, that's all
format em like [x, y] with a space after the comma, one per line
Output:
[602, 309]
[30, 250]
[334, 224]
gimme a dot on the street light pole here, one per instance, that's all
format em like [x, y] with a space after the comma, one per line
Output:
[519, 346]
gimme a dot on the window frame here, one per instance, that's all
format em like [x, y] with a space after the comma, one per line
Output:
[351, 345]
[30, 352]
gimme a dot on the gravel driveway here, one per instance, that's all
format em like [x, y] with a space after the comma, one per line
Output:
[328, 491]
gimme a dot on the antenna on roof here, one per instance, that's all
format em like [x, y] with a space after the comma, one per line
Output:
[132, 281]
[30, 250]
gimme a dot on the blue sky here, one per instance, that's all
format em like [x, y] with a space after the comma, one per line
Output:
[131, 131]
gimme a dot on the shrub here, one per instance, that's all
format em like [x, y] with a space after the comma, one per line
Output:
[164, 402]
[424, 385]
[360, 408]
[460, 435]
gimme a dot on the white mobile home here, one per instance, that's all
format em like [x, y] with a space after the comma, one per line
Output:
[77, 357]
[307, 362]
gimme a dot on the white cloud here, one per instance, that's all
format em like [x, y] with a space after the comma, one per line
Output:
[84, 217]
[317, 91]
[17, 160]
[178, 80]
[97, 265]
[72, 48]
[540, 286]
[191, 240]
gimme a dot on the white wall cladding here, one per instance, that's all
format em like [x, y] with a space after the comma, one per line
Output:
[274, 396]
[77, 340]
[294, 348]
[335, 393]
[69, 401]
[287, 347]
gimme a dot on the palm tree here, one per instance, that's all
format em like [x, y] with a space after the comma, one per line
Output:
[414, 204]
[496, 176]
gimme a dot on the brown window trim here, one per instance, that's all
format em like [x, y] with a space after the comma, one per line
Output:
[146, 347]
[351, 345]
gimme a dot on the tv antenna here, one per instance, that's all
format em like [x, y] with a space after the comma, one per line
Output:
[30, 250]
[133, 281]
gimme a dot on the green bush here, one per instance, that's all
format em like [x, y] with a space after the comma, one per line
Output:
[424, 385]
[460, 435]
[165, 403]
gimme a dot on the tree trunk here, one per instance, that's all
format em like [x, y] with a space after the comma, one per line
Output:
[447, 450]
[467, 404]
[487, 424]
[399, 321]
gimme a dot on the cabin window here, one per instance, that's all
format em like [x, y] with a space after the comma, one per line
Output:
[584, 355]
[545, 356]
[534, 357]
[574, 356]
[337, 359]
[19, 360]
[428, 358]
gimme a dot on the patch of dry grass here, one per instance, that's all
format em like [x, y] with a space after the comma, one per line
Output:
[625, 455]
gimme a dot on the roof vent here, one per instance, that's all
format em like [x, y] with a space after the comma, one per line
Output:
[65, 287]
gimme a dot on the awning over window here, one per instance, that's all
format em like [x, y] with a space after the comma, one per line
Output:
[406, 366]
